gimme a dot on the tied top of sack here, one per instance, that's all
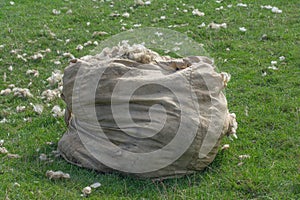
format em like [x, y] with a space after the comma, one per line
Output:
[133, 111]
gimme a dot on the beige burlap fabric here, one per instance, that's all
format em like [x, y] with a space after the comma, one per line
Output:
[189, 90]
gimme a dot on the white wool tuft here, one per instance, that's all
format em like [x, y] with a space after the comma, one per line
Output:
[198, 13]
[225, 77]
[34, 72]
[49, 95]
[57, 111]
[56, 77]
[57, 175]
[38, 108]
[3, 150]
[136, 52]
[22, 92]
[5, 92]
[87, 190]
[20, 108]
[217, 26]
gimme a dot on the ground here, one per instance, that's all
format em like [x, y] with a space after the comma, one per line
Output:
[264, 96]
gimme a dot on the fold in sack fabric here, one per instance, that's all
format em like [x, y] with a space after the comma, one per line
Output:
[132, 111]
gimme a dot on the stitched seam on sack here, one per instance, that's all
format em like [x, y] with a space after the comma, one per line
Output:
[190, 79]
[191, 86]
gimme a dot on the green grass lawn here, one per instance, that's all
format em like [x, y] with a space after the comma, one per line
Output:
[267, 107]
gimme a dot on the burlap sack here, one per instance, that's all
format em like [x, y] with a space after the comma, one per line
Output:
[193, 78]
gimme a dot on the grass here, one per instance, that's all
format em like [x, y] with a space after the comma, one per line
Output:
[270, 132]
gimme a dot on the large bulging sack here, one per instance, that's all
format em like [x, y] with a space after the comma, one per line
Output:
[133, 111]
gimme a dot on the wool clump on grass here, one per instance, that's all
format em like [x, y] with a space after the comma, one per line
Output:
[43, 157]
[225, 147]
[55, 12]
[244, 156]
[33, 72]
[126, 15]
[220, 8]
[87, 191]
[14, 156]
[38, 108]
[281, 58]
[243, 29]
[57, 62]
[50, 95]
[20, 108]
[87, 43]
[3, 121]
[217, 26]
[57, 111]
[198, 13]
[5, 92]
[139, 2]
[99, 33]
[37, 56]
[242, 5]
[57, 175]
[68, 55]
[55, 78]
[79, 47]
[272, 8]
[22, 92]
[3, 150]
